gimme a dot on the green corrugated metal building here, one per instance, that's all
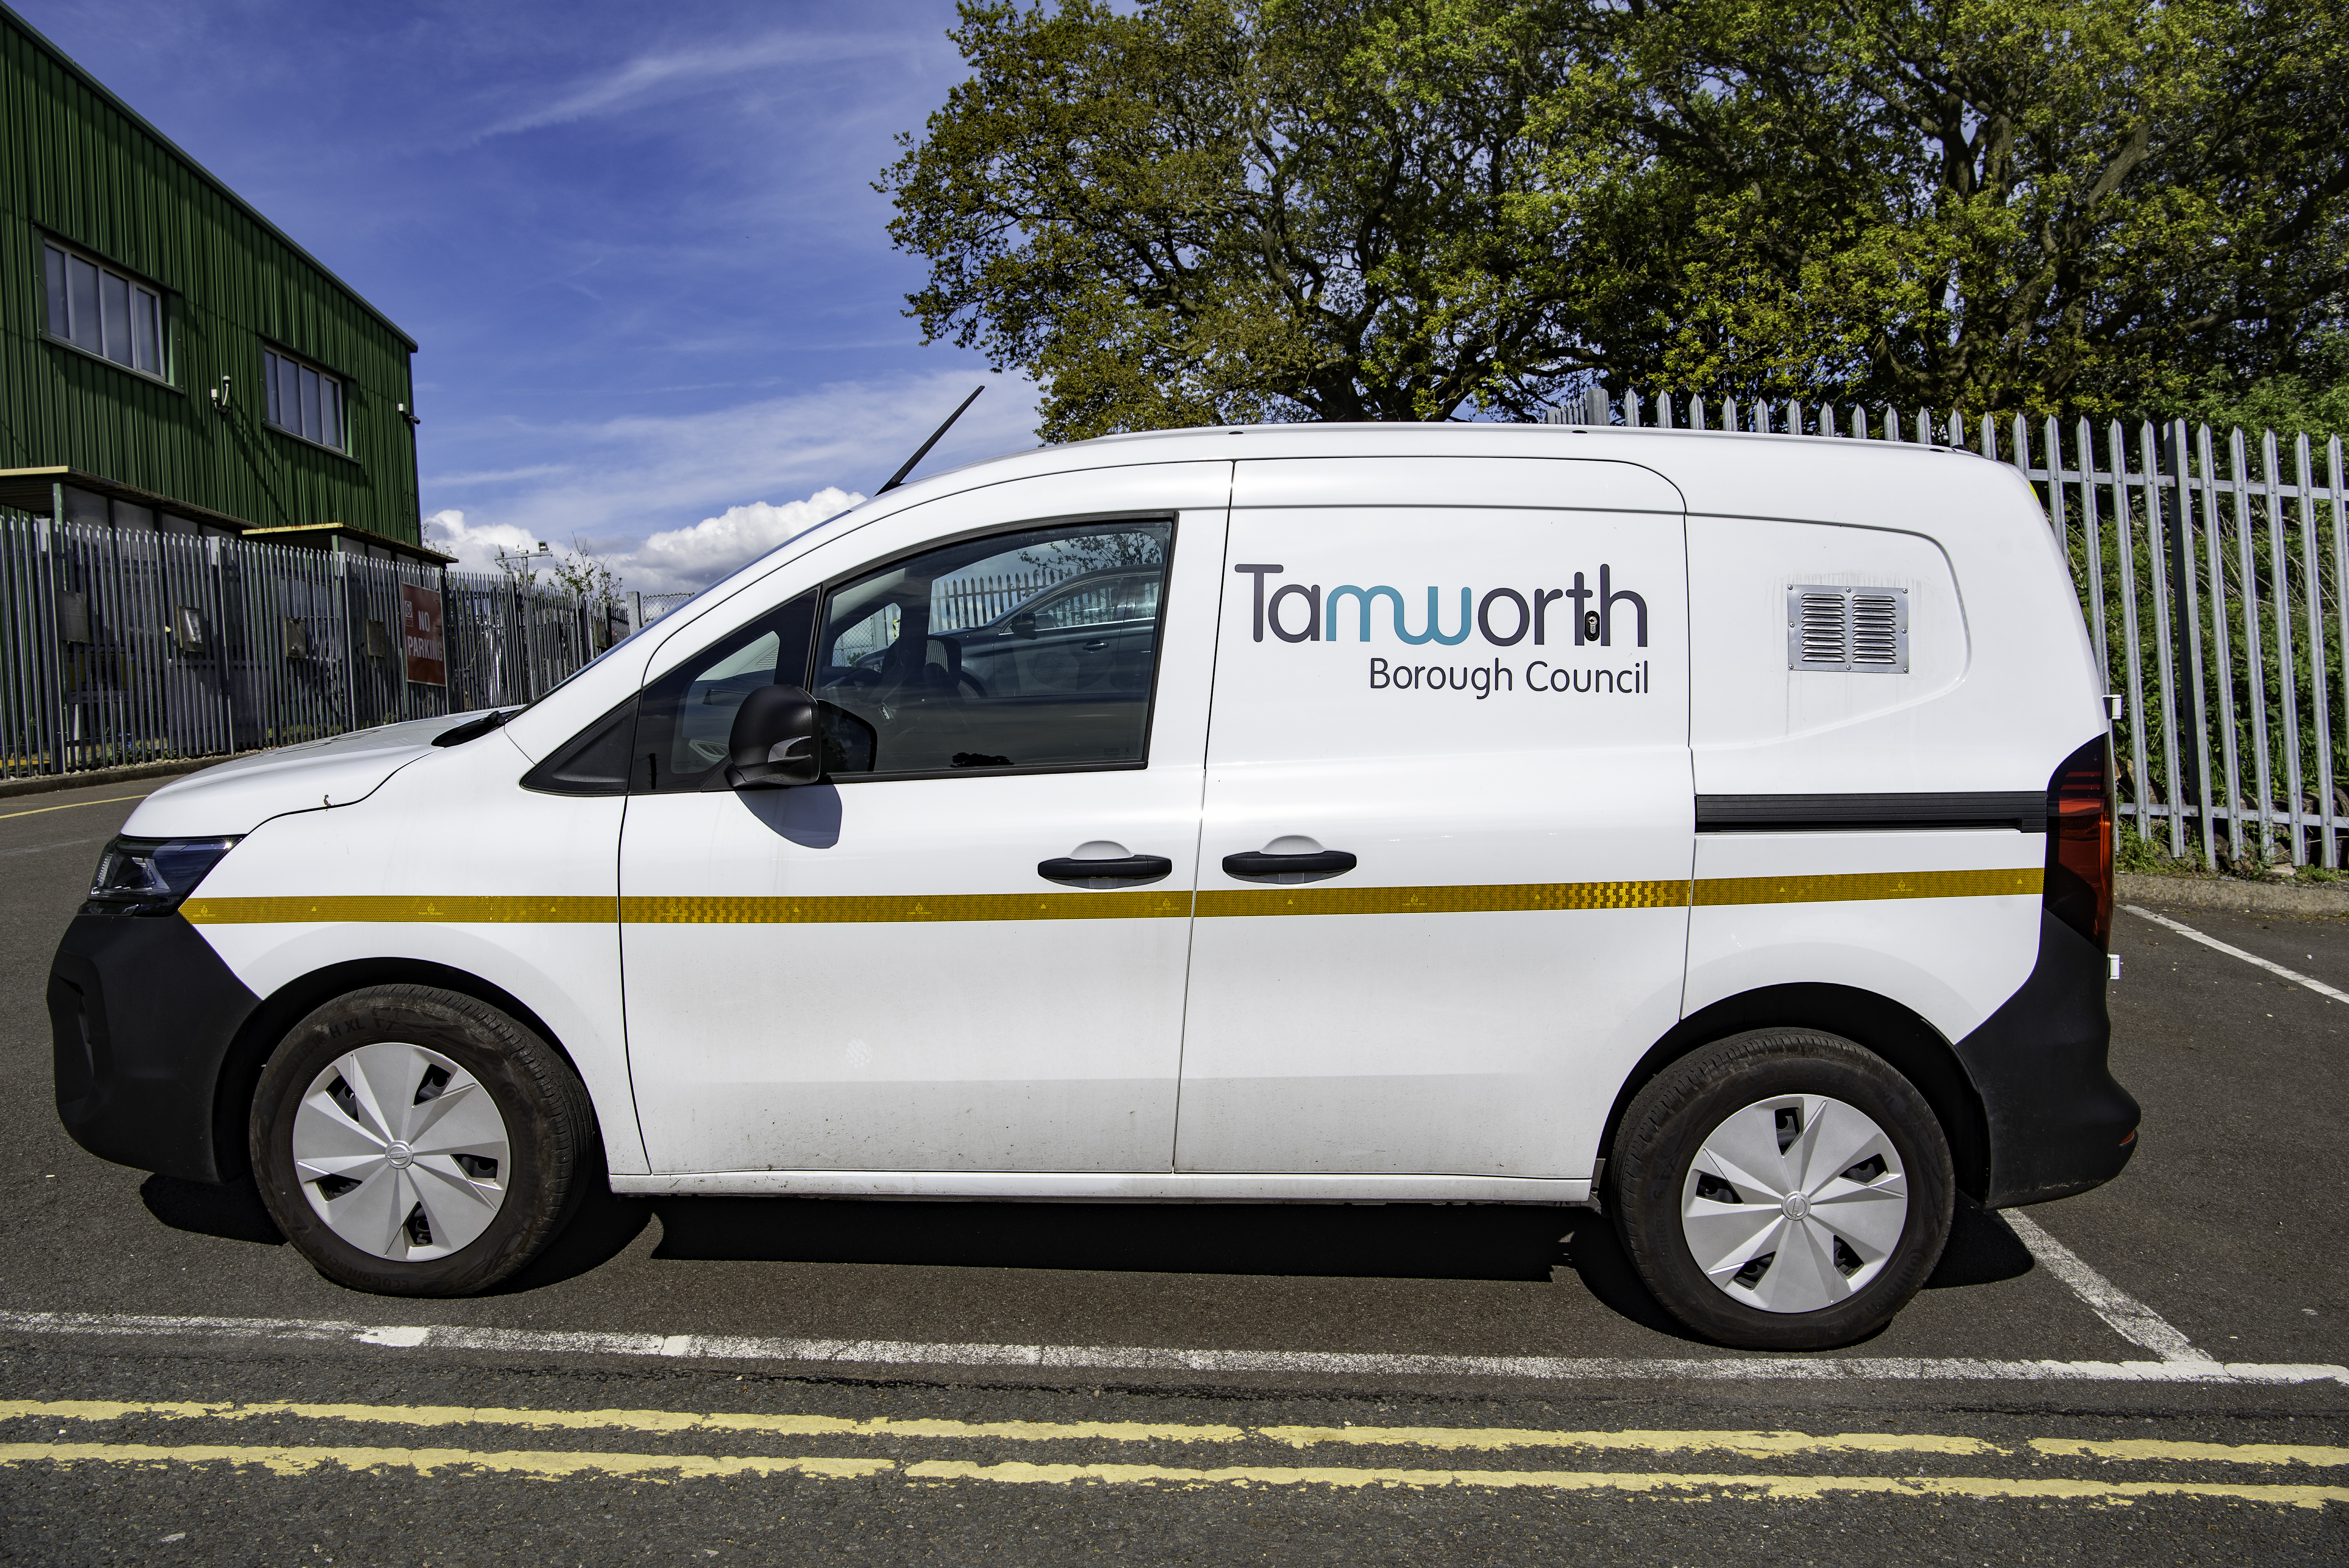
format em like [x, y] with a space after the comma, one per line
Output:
[168, 356]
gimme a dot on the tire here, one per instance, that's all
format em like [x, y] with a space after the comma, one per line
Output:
[493, 1168]
[1844, 1218]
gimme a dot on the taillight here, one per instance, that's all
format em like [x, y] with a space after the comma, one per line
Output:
[2079, 886]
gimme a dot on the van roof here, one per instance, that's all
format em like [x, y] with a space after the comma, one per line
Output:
[1725, 472]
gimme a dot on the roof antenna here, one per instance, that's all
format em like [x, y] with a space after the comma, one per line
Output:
[924, 449]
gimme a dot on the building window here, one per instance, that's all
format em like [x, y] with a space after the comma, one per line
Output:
[304, 400]
[93, 306]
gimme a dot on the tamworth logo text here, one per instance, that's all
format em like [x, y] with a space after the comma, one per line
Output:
[1302, 613]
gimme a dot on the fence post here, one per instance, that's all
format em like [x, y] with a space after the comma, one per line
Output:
[51, 536]
[2319, 677]
[2185, 628]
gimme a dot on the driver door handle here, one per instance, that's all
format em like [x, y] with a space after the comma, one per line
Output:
[1257, 864]
[1133, 868]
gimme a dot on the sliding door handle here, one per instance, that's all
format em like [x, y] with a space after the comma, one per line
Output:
[1258, 863]
[1132, 868]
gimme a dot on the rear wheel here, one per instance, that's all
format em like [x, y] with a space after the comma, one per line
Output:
[1784, 1190]
[415, 1141]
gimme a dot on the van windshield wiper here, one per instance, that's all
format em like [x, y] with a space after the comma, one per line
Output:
[474, 728]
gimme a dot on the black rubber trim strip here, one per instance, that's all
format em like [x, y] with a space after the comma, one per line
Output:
[1259, 864]
[1133, 868]
[2022, 810]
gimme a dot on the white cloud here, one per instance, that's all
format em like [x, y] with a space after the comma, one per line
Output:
[653, 78]
[624, 486]
[475, 546]
[682, 558]
[672, 561]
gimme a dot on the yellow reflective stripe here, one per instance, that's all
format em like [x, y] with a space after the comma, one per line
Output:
[1869, 886]
[1139, 905]
[1142, 904]
[396, 908]
[1509, 897]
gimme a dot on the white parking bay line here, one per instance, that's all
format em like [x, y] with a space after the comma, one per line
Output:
[2129, 1317]
[1152, 1359]
[2294, 975]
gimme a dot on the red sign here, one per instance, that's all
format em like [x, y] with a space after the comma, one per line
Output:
[420, 637]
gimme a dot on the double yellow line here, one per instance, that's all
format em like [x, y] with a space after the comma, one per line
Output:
[1144, 904]
[1758, 1446]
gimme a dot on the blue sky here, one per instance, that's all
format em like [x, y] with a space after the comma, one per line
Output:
[638, 244]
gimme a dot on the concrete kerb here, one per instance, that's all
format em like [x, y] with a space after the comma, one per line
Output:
[2234, 893]
[48, 783]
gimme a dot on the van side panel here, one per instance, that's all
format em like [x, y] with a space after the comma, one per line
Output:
[454, 865]
[1943, 919]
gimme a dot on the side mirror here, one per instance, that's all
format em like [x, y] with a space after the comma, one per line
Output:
[1023, 625]
[774, 744]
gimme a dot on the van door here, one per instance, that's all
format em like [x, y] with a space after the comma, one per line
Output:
[1444, 867]
[886, 971]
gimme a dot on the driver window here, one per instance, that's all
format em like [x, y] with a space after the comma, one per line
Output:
[1028, 650]
[688, 716]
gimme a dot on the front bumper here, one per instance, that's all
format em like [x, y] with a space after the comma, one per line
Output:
[2058, 1122]
[142, 1015]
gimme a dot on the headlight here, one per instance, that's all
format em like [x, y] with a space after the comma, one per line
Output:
[151, 876]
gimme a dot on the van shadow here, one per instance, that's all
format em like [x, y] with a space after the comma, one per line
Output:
[1500, 1243]
[1401, 1241]
[231, 1210]
[1328, 1240]
[1982, 1250]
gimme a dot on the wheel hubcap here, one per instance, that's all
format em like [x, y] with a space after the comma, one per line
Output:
[401, 1151]
[1795, 1203]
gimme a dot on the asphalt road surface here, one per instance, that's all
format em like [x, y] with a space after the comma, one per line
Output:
[2150, 1372]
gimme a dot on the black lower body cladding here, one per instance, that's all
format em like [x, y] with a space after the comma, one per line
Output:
[142, 1014]
[2058, 1122]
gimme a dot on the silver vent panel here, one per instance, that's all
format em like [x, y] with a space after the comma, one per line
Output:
[1862, 631]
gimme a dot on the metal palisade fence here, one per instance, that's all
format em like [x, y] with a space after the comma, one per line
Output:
[132, 645]
[2210, 568]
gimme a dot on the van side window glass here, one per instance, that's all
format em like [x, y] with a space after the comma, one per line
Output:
[1030, 650]
[687, 714]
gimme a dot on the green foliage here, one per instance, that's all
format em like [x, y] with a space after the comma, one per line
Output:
[1198, 212]
[2033, 205]
[1188, 211]
[2314, 400]
[585, 576]
[2131, 853]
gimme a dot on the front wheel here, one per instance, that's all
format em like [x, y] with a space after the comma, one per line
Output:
[414, 1142]
[1782, 1189]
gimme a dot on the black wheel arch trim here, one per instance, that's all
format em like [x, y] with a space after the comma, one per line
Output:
[1914, 1048]
[157, 1047]
[273, 1019]
[2027, 1100]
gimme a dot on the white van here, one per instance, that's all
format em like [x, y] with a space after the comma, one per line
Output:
[1713, 827]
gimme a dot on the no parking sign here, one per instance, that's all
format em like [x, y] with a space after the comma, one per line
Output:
[421, 635]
